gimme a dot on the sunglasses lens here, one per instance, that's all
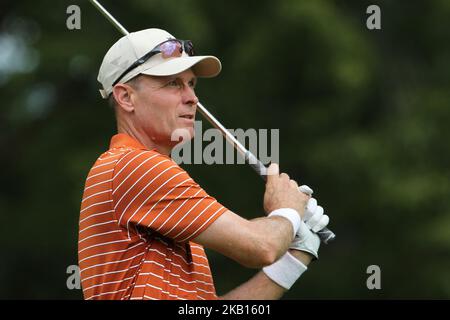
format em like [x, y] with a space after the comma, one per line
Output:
[189, 47]
[170, 49]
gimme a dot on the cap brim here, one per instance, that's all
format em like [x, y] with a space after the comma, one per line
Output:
[202, 66]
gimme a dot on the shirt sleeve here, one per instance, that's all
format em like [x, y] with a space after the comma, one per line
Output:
[151, 191]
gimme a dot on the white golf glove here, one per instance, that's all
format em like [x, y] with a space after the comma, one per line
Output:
[288, 269]
[306, 241]
[314, 217]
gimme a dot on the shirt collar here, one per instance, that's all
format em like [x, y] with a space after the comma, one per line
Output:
[124, 140]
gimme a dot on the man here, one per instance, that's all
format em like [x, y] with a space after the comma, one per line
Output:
[144, 221]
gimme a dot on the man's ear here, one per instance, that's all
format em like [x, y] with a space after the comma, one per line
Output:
[122, 94]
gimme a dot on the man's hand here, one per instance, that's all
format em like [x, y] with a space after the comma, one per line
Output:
[282, 192]
[314, 217]
[306, 241]
[315, 220]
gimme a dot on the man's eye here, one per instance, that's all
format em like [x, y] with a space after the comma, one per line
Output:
[173, 83]
[192, 84]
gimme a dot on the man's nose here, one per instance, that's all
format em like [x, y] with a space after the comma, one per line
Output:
[189, 96]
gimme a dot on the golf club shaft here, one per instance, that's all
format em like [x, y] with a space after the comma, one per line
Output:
[109, 17]
[325, 234]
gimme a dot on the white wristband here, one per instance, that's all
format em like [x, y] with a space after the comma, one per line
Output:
[285, 271]
[290, 214]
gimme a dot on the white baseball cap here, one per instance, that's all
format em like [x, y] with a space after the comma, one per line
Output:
[130, 48]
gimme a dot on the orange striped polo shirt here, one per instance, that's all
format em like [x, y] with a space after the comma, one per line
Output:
[138, 214]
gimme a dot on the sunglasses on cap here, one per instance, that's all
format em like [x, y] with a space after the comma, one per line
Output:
[168, 49]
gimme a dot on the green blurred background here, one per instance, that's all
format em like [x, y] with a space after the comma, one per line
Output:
[363, 115]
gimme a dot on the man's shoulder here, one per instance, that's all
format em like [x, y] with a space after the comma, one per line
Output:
[142, 169]
[132, 160]
[142, 157]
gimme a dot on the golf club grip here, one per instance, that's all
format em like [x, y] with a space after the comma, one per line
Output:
[325, 235]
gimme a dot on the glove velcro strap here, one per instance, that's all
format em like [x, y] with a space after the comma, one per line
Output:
[285, 271]
[306, 241]
[290, 214]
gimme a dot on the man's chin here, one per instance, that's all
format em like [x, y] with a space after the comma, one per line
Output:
[183, 135]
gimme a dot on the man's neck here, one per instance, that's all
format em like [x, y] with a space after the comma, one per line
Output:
[145, 140]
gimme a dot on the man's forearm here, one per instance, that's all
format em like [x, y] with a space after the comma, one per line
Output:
[276, 231]
[260, 287]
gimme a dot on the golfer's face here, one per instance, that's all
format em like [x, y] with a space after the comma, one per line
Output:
[166, 106]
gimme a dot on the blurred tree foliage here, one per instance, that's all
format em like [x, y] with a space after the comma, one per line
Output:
[363, 117]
